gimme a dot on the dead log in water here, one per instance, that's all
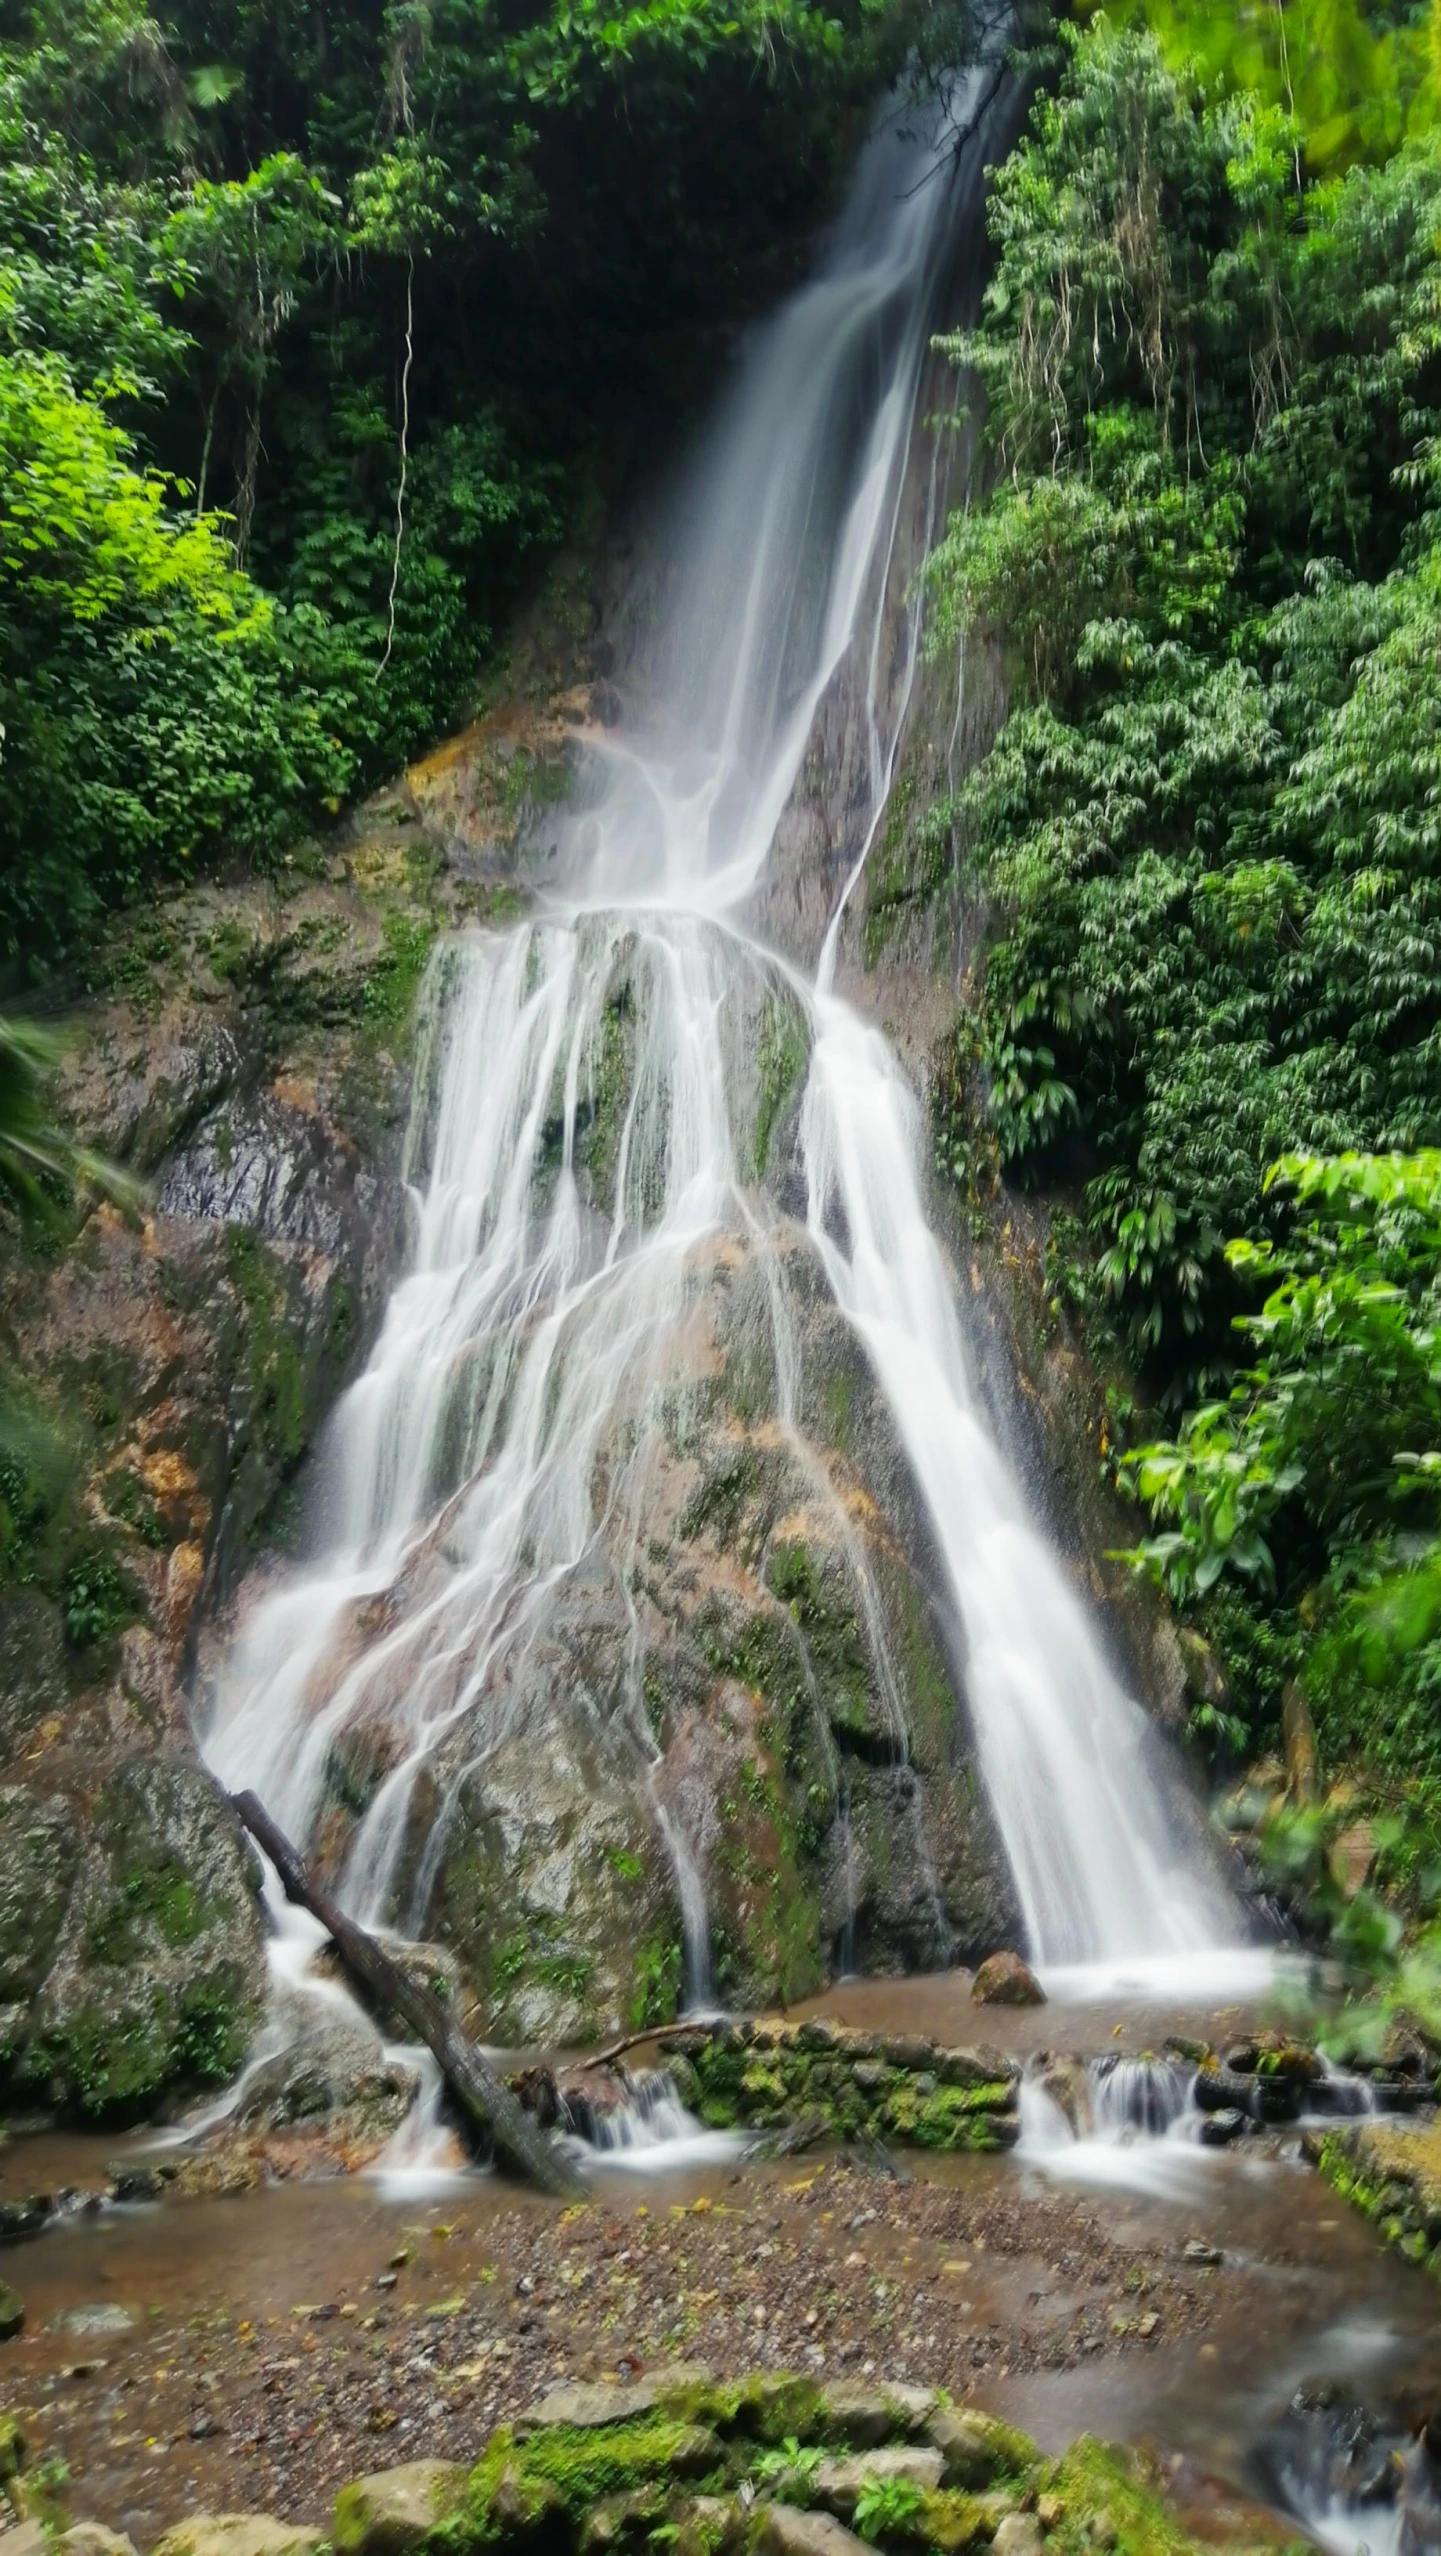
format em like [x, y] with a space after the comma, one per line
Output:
[486, 2102]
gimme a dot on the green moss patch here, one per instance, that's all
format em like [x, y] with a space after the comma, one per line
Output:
[767, 2075]
[703, 2465]
[1392, 2173]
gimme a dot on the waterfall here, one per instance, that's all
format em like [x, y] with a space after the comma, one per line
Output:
[502, 1426]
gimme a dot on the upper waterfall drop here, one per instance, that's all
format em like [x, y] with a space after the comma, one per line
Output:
[499, 1447]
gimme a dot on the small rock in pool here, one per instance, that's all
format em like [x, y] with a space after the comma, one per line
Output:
[12, 2312]
[1218, 2129]
[103, 2317]
[1005, 1980]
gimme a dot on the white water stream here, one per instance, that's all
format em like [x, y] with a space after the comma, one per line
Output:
[496, 1446]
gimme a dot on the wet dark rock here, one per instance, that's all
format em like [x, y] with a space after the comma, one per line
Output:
[1222, 2090]
[25, 2217]
[275, 1171]
[1218, 2129]
[1330, 2459]
[12, 2312]
[1004, 1979]
[1421, 2493]
[140, 2183]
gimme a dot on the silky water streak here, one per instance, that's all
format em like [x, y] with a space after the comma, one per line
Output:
[472, 1469]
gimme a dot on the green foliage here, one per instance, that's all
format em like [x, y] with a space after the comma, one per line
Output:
[40, 1165]
[659, 1972]
[335, 297]
[1316, 1480]
[888, 2507]
[1354, 79]
[1209, 825]
[1210, 829]
[148, 695]
[790, 2471]
[1347, 1379]
[98, 1601]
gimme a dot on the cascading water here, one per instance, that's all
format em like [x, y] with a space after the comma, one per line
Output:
[500, 1432]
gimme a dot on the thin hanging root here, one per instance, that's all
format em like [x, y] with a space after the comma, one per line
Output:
[404, 465]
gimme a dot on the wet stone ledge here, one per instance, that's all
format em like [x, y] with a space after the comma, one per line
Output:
[1391, 2171]
[821, 2081]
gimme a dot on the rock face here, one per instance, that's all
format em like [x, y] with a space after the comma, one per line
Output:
[152, 1977]
[245, 1060]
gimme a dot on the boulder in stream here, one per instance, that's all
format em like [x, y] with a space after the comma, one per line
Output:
[1004, 1979]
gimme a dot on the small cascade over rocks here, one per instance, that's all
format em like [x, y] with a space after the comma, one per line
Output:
[640, 2125]
[1105, 2103]
[1142, 2098]
[1356, 2481]
[1088, 2116]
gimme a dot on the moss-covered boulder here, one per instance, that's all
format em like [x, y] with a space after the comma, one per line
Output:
[769, 2075]
[765, 2462]
[1391, 2171]
[158, 1974]
[394, 2512]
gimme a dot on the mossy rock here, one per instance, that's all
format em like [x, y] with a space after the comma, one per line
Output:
[548, 2481]
[394, 2512]
[239, 2534]
[159, 1977]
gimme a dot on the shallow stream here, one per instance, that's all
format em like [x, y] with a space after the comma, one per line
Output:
[253, 2350]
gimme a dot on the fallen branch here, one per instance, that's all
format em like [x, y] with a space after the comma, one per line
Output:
[476, 2088]
[628, 2041]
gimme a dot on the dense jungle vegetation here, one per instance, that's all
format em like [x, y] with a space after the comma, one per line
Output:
[1209, 1014]
[322, 320]
[316, 320]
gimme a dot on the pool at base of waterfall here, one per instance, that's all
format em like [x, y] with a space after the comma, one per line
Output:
[259, 2346]
[256, 2345]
